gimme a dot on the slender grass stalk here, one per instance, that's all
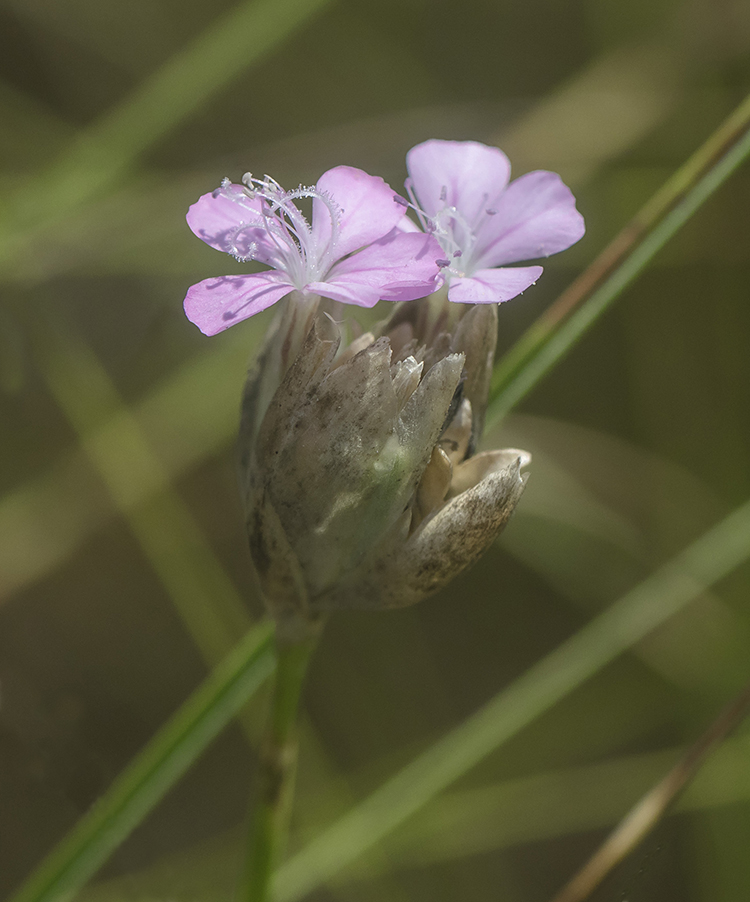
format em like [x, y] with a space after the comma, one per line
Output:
[185, 419]
[163, 525]
[278, 763]
[463, 823]
[149, 776]
[626, 622]
[101, 154]
[576, 310]
[644, 816]
[496, 816]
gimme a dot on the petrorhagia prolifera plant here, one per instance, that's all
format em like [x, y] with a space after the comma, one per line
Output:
[360, 475]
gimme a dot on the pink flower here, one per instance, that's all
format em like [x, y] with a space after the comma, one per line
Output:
[460, 191]
[352, 252]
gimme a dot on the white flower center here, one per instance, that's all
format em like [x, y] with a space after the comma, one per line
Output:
[455, 234]
[290, 244]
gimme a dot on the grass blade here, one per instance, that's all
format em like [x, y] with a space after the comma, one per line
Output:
[576, 310]
[631, 618]
[100, 155]
[153, 771]
[164, 527]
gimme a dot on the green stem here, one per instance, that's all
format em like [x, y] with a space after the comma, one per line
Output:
[278, 760]
[577, 308]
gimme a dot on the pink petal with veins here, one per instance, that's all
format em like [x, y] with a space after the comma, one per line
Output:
[399, 267]
[216, 304]
[493, 286]
[232, 222]
[535, 217]
[472, 176]
[368, 210]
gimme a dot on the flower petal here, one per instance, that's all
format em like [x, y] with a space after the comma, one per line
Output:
[407, 225]
[367, 210]
[216, 304]
[492, 286]
[399, 267]
[535, 217]
[232, 222]
[470, 174]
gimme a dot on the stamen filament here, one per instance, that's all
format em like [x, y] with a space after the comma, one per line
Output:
[286, 227]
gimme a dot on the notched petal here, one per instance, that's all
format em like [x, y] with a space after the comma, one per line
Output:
[462, 174]
[367, 210]
[493, 286]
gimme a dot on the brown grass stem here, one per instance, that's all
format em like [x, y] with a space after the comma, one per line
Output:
[644, 816]
[624, 258]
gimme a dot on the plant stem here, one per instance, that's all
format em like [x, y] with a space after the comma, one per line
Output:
[295, 642]
[580, 305]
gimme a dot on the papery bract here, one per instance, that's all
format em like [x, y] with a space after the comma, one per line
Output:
[360, 485]
[460, 190]
[352, 251]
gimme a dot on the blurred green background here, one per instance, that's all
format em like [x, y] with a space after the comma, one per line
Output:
[123, 567]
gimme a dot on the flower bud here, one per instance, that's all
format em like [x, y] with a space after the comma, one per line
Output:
[361, 486]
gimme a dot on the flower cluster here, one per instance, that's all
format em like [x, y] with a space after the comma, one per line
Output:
[352, 251]
[360, 478]
[361, 247]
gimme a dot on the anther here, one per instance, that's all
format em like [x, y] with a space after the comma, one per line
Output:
[443, 263]
[490, 212]
[402, 202]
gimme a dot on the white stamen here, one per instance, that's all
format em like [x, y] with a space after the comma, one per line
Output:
[271, 209]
